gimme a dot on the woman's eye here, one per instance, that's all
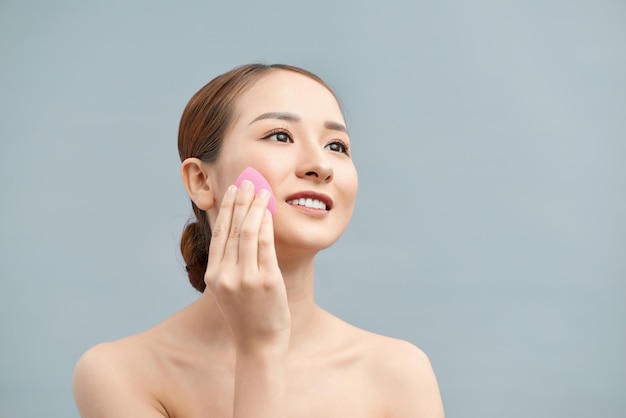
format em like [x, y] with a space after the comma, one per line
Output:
[279, 137]
[337, 146]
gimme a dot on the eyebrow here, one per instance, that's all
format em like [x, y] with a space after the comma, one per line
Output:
[290, 117]
[335, 126]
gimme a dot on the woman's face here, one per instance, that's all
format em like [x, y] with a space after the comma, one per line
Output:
[290, 128]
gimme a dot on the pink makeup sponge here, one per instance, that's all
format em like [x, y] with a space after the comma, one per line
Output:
[259, 183]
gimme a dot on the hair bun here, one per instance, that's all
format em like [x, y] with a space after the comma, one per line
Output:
[194, 246]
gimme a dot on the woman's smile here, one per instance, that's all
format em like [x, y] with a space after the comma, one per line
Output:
[311, 203]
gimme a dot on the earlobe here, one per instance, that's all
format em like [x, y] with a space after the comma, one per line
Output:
[196, 180]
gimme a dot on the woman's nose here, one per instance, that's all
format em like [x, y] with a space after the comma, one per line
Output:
[315, 166]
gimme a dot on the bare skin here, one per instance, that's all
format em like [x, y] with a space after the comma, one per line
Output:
[169, 371]
[255, 344]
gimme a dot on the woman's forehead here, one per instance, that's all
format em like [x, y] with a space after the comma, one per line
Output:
[289, 92]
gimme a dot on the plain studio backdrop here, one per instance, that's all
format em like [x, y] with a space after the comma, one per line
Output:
[490, 139]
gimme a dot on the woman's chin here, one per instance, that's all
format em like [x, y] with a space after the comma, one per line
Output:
[301, 247]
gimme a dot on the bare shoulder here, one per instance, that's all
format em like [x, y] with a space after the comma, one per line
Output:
[112, 380]
[398, 359]
[403, 376]
[407, 377]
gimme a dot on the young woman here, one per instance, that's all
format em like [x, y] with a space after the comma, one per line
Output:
[255, 344]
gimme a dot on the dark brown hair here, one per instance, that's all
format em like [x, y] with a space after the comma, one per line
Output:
[204, 122]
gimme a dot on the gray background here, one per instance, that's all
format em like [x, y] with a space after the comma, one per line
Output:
[489, 229]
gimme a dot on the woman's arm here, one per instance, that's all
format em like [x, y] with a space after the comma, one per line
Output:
[245, 279]
[260, 384]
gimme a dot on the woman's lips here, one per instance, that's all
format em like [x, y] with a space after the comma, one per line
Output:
[311, 200]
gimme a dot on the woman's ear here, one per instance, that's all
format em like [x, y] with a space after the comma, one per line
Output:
[196, 180]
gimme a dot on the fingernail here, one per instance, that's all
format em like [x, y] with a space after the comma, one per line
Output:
[230, 192]
[246, 186]
[264, 194]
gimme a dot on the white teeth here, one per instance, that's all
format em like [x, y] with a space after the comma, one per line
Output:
[308, 202]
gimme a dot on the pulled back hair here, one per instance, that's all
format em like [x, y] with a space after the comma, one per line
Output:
[205, 120]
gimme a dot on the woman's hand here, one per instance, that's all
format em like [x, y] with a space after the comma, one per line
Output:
[243, 273]
[244, 277]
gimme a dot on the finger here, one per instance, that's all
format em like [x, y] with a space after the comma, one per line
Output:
[221, 229]
[267, 251]
[250, 229]
[242, 205]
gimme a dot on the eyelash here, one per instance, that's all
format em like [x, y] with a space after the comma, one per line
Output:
[277, 132]
[345, 147]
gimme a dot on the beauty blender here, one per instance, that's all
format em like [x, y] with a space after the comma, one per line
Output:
[259, 183]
